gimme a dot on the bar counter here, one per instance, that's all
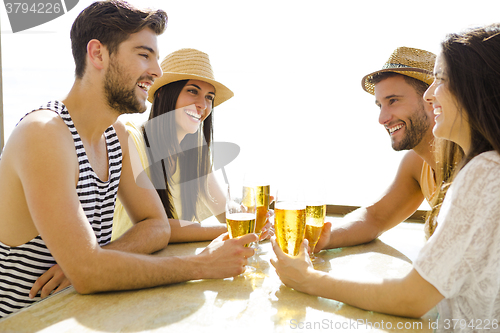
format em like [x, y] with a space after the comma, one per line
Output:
[256, 303]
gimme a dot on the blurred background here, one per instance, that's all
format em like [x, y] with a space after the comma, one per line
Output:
[299, 114]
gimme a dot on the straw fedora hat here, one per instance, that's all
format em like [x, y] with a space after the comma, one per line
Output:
[189, 64]
[415, 63]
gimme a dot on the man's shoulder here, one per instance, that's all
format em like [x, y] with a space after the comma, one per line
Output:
[122, 134]
[128, 133]
[41, 125]
[38, 118]
[412, 163]
[39, 131]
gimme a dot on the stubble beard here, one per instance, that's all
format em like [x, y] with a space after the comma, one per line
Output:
[119, 97]
[416, 128]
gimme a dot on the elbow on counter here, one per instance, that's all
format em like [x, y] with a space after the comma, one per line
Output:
[164, 230]
[414, 309]
[84, 286]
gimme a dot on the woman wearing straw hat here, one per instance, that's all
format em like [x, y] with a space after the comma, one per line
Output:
[174, 147]
[458, 268]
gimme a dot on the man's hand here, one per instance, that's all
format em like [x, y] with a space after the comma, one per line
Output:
[225, 257]
[324, 238]
[294, 272]
[52, 280]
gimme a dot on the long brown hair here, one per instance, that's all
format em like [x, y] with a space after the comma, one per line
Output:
[448, 155]
[473, 70]
[193, 153]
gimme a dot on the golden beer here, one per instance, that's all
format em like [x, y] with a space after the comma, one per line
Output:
[249, 199]
[240, 224]
[312, 235]
[315, 219]
[289, 226]
[262, 193]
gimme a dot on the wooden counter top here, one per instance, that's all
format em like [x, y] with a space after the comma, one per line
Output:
[255, 303]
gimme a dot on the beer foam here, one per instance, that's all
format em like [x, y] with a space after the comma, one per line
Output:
[240, 216]
[290, 205]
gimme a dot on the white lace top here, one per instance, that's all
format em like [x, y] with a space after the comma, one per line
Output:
[462, 257]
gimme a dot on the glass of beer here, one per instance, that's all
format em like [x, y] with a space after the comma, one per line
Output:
[262, 193]
[289, 221]
[315, 219]
[241, 210]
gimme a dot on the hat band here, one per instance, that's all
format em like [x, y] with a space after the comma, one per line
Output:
[386, 66]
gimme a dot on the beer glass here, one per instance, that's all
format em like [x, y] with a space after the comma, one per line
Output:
[289, 220]
[262, 195]
[315, 219]
[262, 201]
[241, 212]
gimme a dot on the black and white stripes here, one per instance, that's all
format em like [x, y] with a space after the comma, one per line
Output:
[20, 266]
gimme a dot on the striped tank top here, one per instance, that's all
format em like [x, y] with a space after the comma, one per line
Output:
[20, 266]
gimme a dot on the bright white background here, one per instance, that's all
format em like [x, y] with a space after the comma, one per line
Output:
[299, 113]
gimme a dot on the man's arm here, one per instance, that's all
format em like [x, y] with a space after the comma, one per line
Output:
[48, 170]
[400, 201]
[151, 230]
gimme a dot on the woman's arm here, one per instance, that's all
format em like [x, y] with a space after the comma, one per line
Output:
[216, 201]
[187, 231]
[409, 296]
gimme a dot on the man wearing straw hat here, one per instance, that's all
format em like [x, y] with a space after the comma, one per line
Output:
[65, 162]
[398, 88]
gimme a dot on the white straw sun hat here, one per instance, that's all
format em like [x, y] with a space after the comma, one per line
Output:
[189, 64]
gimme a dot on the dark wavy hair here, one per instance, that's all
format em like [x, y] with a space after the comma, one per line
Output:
[193, 153]
[473, 69]
[110, 22]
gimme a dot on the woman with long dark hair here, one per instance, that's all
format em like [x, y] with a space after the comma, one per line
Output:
[458, 268]
[174, 146]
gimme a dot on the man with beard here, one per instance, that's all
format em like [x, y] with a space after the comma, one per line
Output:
[66, 162]
[398, 88]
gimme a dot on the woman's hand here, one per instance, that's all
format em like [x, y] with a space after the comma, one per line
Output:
[267, 230]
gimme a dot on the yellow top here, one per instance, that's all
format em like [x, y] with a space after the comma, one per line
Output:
[121, 220]
[427, 182]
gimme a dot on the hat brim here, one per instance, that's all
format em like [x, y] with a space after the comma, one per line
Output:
[222, 93]
[416, 73]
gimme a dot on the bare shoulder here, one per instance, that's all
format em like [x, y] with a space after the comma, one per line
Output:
[122, 133]
[411, 165]
[120, 128]
[41, 134]
[41, 120]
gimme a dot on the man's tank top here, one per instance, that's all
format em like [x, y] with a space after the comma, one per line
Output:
[20, 266]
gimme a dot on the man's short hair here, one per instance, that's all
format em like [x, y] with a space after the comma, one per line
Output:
[419, 86]
[111, 22]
